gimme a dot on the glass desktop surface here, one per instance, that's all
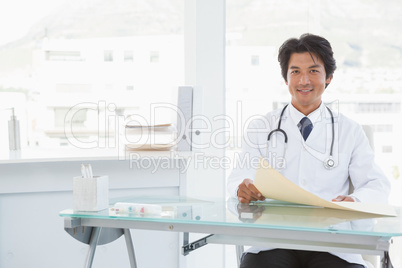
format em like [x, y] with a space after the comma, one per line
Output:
[273, 215]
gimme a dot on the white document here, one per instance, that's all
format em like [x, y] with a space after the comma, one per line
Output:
[274, 185]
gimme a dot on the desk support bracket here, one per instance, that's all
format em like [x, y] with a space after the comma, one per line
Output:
[187, 248]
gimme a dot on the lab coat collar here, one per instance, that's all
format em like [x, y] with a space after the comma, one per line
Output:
[314, 116]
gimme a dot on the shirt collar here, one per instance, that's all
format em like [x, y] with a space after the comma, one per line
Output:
[314, 116]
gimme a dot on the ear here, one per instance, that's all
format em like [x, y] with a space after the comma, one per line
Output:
[329, 79]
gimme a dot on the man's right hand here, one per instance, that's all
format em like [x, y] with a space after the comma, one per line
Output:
[248, 192]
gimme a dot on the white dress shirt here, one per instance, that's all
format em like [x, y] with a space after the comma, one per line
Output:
[302, 162]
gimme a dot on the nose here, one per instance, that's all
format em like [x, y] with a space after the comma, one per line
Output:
[304, 79]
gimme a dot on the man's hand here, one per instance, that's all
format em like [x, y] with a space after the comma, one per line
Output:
[248, 192]
[341, 198]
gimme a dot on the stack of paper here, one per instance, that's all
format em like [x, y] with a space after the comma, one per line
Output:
[160, 137]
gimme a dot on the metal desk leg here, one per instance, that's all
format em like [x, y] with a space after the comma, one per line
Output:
[92, 246]
[130, 248]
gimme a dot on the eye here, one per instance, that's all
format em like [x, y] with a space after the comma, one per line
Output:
[294, 72]
[314, 71]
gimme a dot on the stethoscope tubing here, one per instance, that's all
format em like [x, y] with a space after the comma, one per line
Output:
[328, 163]
[279, 127]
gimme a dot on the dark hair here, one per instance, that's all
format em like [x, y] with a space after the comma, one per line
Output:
[312, 44]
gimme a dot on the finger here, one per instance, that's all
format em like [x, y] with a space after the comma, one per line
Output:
[245, 197]
[247, 193]
[243, 200]
[348, 199]
[254, 191]
[341, 198]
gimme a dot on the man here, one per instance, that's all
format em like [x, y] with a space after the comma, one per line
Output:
[323, 150]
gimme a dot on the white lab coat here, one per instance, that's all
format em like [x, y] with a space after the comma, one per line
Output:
[303, 162]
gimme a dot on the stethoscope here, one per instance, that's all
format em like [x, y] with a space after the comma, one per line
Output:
[329, 162]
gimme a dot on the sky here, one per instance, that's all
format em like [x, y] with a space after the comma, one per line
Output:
[18, 16]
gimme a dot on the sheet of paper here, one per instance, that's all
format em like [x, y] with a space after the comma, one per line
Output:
[274, 185]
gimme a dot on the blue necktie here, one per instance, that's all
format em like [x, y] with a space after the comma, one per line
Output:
[305, 127]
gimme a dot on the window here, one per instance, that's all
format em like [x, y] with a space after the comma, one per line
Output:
[387, 149]
[378, 107]
[367, 85]
[154, 56]
[59, 54]
[78, 119]
[72, 88]
[108, 55]
[63, 56]
[382, 128]
[128, 56]
[255, 60]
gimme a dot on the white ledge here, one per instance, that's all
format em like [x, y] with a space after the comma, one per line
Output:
[71, 154]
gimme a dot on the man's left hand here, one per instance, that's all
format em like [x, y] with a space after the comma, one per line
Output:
[341, 198]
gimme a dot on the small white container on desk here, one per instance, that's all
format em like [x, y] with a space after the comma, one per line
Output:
[91, 194]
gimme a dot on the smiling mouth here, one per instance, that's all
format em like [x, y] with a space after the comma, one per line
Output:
[304, 90]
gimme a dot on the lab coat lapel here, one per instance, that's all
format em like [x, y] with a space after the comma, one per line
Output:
[319, 138]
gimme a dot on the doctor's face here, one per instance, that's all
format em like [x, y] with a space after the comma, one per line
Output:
[306, 81]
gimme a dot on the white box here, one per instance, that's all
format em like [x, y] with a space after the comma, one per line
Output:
[91, 194]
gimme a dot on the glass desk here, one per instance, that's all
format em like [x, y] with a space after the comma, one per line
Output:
[269, 224]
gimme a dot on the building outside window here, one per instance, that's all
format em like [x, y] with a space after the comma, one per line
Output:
[255, 60]
[108, 55]
[63, 56]
[57, 55]
[128, 56]
[154, 56]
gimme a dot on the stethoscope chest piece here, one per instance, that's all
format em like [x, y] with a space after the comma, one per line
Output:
[329, 163]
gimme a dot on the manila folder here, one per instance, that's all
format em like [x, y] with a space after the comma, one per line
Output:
[274, 185]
